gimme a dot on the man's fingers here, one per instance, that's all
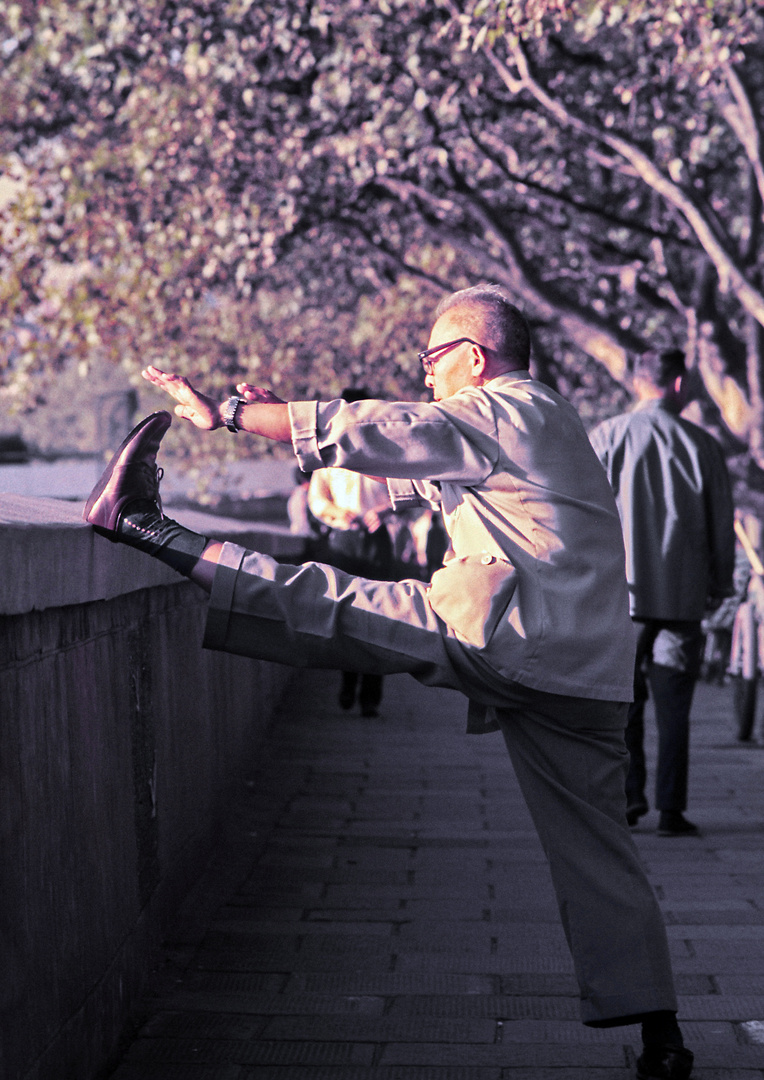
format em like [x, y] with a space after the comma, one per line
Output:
[176, 385]
[258, 394]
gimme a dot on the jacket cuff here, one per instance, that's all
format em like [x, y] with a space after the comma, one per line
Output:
[303, 418]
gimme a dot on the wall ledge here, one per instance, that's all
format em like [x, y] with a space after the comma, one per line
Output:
[52, 558]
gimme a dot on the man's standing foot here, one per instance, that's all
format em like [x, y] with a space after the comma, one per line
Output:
[635, 810]
[673, 823]
[664, 1063]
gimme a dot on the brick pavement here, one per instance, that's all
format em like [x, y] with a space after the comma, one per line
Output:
[380, 909]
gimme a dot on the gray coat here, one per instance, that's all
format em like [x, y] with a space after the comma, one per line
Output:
[674, 496]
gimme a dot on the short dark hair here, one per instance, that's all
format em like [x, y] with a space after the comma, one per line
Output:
[490, 315]
[661, 368]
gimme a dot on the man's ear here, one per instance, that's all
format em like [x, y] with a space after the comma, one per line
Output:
[479, 363]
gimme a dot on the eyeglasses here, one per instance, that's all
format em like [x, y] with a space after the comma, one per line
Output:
[424, 356]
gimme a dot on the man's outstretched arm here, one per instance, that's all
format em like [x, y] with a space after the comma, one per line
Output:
[263, 414]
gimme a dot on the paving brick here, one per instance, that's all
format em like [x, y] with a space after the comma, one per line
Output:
[393, 983]
[488, 1006]
[508, 1056]
[145, 1070]
[745, 937]
[384, 1029]
[286, 1004]
[245, 959]
[244, 927]
[235, 982]
[395, 912]
[571, 1073]
[689, 984]
[723, 1007]
[537, 984]
[395, 1072]
[309, 1053]
[489, 964]
[191, 1051]
[177, 1024]
[734, 983]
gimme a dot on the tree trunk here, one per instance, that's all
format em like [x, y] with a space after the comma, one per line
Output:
[755, 371]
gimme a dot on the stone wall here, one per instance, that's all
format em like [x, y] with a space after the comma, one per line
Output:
[121, 741]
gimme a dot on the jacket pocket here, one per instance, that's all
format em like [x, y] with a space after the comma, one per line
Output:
[471, 594]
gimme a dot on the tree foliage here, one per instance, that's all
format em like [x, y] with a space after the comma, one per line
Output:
[281, 191]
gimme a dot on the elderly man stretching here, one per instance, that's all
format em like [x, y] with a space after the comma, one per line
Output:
[528, 617]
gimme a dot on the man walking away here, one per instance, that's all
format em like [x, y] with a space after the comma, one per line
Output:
[673, 493]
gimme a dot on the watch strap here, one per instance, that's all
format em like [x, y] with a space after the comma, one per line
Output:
[230, 412]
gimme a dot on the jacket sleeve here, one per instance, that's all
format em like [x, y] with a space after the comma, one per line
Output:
[720, 514]
[601, 443]
[453, 441]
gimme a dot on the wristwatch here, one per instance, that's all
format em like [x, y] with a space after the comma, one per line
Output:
[230, 411]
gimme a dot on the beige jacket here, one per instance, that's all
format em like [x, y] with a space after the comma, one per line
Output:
[534, 585]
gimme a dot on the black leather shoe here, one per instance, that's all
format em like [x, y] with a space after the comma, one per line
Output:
[672, 823]
[636, 810]
[130, 476]
[665, 1063]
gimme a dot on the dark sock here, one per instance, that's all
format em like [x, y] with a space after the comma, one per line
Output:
[661, 1029]
[143, 526]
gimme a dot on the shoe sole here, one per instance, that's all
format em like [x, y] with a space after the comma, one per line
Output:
[633, 814]
[108, 472]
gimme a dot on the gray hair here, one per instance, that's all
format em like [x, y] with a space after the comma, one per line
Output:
[489, 315]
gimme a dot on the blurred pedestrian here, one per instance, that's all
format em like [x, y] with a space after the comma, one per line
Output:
[674, 497]
[747, 647]
[300, 523]
[353, 510]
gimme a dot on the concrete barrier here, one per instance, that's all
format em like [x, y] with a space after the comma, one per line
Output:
[120, 743]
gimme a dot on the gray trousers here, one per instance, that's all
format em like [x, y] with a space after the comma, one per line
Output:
[568, 753]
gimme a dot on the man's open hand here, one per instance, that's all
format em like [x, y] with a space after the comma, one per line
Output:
[202, 411]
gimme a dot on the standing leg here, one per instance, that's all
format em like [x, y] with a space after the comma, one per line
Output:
[347, 689]
[636, 776]
[371, 694]
[673, 691]
[673, 674]
[744, 665]
[744, 705]
[570, 761]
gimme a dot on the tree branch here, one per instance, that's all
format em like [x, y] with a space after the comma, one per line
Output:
[591, 334]
[730, 275]
[740, 115]
[494, 150]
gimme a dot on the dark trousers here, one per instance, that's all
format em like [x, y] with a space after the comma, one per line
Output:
[568, 753]
[667, 665]
[370, 693]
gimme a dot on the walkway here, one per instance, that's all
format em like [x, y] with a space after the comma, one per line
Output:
[382, 910]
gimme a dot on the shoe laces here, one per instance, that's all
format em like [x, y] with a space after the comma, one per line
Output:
[159, 475]
[154, 473]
